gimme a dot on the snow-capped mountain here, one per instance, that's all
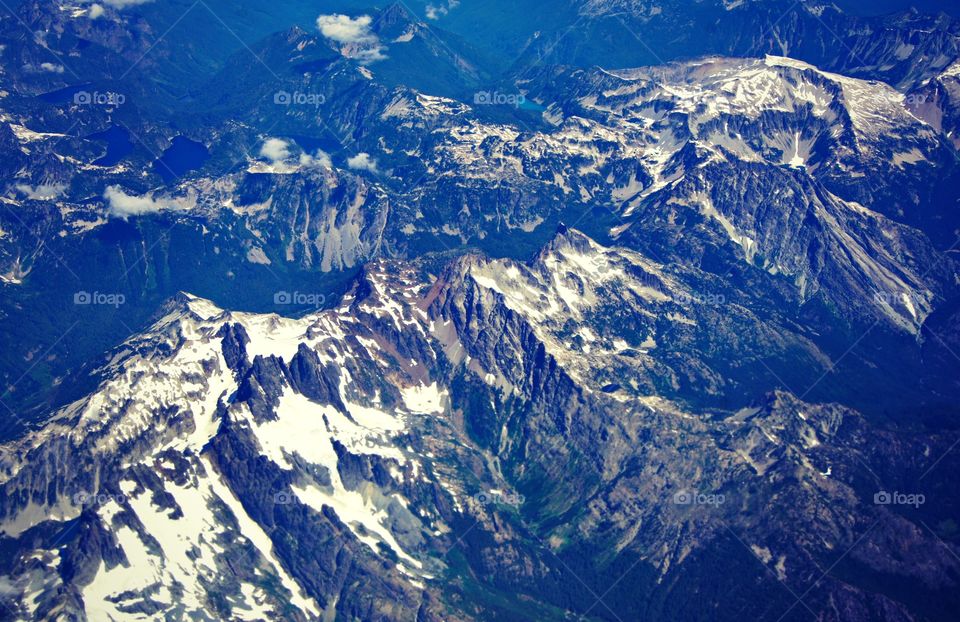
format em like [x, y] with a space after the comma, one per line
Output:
[826, 196]
[251, 466]
[902, 48]
[672, 137]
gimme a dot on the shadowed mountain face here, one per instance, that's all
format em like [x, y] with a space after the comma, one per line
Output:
[593, 310]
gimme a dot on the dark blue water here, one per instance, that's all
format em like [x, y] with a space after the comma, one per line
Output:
[118, 143]
[64, 95]
[183, 155]
[529, 105]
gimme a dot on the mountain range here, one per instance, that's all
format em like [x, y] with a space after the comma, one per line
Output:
[470, 311]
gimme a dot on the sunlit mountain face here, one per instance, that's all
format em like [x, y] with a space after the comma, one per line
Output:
[596, 310]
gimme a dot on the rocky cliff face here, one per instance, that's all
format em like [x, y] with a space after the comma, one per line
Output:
[935, 101]
[500, 415]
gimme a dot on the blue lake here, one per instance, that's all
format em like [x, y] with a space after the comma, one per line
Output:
[118, 144]
[183, 155]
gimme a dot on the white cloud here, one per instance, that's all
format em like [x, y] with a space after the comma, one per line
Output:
[282, 159]
[276, 150]
[122, 4]
[51, 68]
[42, 192]
[319, 159]
[346, 29]
[363, 162]
[357, 39]
[96, 10]
[439, 10]
[368, 55]
[123, 205]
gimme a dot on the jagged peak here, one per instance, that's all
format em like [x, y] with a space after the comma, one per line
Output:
[297, 31]
[568, 238]
[185, 303]
[283, 39]
[396, 13]
[564, 240]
